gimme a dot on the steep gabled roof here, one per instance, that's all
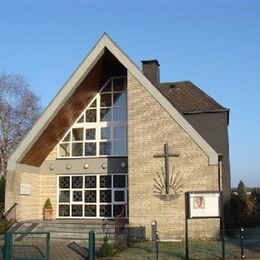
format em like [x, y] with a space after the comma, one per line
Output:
[73, 83]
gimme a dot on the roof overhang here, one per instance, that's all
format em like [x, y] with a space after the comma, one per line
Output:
[77, 77]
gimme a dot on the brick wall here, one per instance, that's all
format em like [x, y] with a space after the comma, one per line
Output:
[149, 127]
[30, 207]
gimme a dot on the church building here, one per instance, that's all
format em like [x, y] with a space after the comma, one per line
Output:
[116, 141]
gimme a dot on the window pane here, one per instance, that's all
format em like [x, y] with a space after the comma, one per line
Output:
[66, 138]
[81, 119]
[77, 196]
[91, 115]
[90, 182]
[119, 209]
[90, 196]
[64, 210]
[105, 148]
[64, 182]
[119, 114]
[64, 150]
[119, 132]
[105, 114]
[105, 100]
[77, 210]
[105, 211]
[105, 133]
[119, 84]
[94, 103]
[105, 181]
[90, 211]
[105, 196]
[119, 196]
[77, 149]
[91, 134]
[77, 182]
[64, 196]
[90, 149]
[107, 88]
[119, 99]
[119, 181]
[119, 148]
[77, 134]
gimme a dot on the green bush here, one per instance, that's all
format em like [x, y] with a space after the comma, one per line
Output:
[106, 249]
[47, 204]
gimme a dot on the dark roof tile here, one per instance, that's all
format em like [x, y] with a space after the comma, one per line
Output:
[186, 97]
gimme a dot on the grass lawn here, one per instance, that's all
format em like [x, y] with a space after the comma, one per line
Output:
[198, 249]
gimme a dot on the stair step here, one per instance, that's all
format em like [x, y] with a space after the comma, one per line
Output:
[76, 226]
[76, 230]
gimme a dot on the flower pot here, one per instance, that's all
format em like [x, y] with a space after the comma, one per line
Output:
[48, 214]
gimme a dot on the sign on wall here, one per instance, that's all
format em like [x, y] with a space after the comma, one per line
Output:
[204, 204]
[25, 189]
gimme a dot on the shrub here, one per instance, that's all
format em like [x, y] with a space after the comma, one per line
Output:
[106, 248]
[47, 204]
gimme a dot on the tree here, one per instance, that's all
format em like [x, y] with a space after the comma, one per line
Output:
[19, 108]
[243, 207]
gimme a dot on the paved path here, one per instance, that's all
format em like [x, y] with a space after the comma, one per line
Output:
[59, 249]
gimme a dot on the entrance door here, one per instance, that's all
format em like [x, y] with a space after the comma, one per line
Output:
[92, 195]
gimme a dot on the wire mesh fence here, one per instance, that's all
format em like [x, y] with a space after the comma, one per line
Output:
[26, 245]
[238, 245]
[32, 245]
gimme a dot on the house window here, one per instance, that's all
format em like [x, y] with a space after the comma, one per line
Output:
[101, 129]
[92, 195]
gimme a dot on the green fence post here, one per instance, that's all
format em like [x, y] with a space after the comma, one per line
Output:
[7, 245]
[242, 242]
[157, 245]
[48, 246]
[91, 245]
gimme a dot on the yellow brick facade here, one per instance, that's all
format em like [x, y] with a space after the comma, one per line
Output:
[30, 207]
[149, 127]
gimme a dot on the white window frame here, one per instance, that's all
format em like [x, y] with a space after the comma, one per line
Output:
[97, 125]
[97, 203]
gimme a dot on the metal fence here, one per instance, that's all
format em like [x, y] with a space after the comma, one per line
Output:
[239, 244]
[26, 245]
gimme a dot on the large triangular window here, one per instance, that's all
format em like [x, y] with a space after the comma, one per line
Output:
[101, 130]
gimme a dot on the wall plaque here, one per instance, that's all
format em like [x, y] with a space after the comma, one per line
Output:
[25, 189]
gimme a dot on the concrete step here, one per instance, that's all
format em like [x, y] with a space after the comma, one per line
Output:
[71, 225]
[73, 230]
[70, 230]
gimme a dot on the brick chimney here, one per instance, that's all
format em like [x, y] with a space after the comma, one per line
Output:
[151, 69]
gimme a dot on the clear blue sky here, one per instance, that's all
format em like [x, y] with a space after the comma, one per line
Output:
[215, 44]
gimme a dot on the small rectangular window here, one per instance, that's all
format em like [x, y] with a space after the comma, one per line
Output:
[105, 133]
[105, 100]
[105, 148]
[91, 134]
[77, 149]
[77, 134]
[90, 149]
[91, 115]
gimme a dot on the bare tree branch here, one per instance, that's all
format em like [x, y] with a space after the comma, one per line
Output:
[19, 109]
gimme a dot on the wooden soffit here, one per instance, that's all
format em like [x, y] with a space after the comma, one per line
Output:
[106, 67]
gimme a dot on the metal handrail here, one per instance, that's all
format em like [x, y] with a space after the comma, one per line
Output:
[120, 221]
[10, 214]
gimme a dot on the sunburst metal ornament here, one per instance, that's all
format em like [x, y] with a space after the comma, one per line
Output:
[175, 185]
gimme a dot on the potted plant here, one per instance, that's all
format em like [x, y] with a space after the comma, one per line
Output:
[47, 210]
